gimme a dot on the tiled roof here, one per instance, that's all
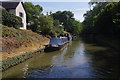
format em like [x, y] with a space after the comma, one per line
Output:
[10, 5]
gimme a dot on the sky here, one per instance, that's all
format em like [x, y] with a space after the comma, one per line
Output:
[78, 8]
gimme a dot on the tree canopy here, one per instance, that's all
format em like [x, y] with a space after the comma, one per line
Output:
[67, 19]
[103, 19]
[33, 11]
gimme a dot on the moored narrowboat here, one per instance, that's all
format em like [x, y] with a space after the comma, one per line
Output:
[56, 44]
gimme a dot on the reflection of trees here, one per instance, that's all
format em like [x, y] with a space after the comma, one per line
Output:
[106, 64]
[68, 52]
[104, 60]
[57, 60]
[71, 56]
[72, 48]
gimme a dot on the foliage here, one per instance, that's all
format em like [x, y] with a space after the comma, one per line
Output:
[33, 11]
[46, 24]
[66, 19]
[57, 29]
[103, 19]
[16, 60]
[89, 18]
[53, 24]
[38, 22]
[77, 28]
[11, 20]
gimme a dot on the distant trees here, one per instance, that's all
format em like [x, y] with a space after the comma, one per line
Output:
[77, 27]
[54, 24]
[67, 19]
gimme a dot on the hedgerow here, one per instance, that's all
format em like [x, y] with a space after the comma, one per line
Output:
[11, 20]
[18, 59]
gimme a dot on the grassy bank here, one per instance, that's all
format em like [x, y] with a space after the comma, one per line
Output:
[18, 45]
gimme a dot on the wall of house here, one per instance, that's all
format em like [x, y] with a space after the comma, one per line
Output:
[21, 9]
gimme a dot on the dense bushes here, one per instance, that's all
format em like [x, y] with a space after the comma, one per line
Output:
[11, 20]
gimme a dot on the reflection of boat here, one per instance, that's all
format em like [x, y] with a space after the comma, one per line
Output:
[56, 44]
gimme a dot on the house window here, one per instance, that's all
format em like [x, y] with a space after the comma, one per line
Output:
[21, 14]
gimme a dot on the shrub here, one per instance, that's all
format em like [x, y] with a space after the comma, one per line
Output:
[11, 20]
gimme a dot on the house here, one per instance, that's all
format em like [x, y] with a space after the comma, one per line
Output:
[1, 7]
[18, 9]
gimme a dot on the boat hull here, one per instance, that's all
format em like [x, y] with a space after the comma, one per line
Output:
[50, 48]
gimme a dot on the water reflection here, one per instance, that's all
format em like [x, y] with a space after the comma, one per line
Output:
[67, 64]
[105, 64]
[41, 72]
[78, 60]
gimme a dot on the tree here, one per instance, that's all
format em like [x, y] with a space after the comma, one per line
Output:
[33, 11]
[57, 28]
[77, 28]
[103, 19]
[69, 23]
[88, 23]
[45, 25]
[33, 14]
[64, 17]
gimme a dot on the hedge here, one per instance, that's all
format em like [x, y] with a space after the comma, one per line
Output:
[11, 20]
[18, 59]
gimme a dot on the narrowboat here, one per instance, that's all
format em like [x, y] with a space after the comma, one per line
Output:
[56, 44]
[69, 38]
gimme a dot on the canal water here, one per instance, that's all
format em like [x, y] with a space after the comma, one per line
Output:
[80, 59]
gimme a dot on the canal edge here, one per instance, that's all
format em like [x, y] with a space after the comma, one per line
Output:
[6, 64]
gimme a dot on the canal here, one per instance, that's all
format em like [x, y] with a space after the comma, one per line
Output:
[80, 59]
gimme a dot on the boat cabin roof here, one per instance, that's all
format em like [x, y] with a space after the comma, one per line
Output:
[58, 41]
